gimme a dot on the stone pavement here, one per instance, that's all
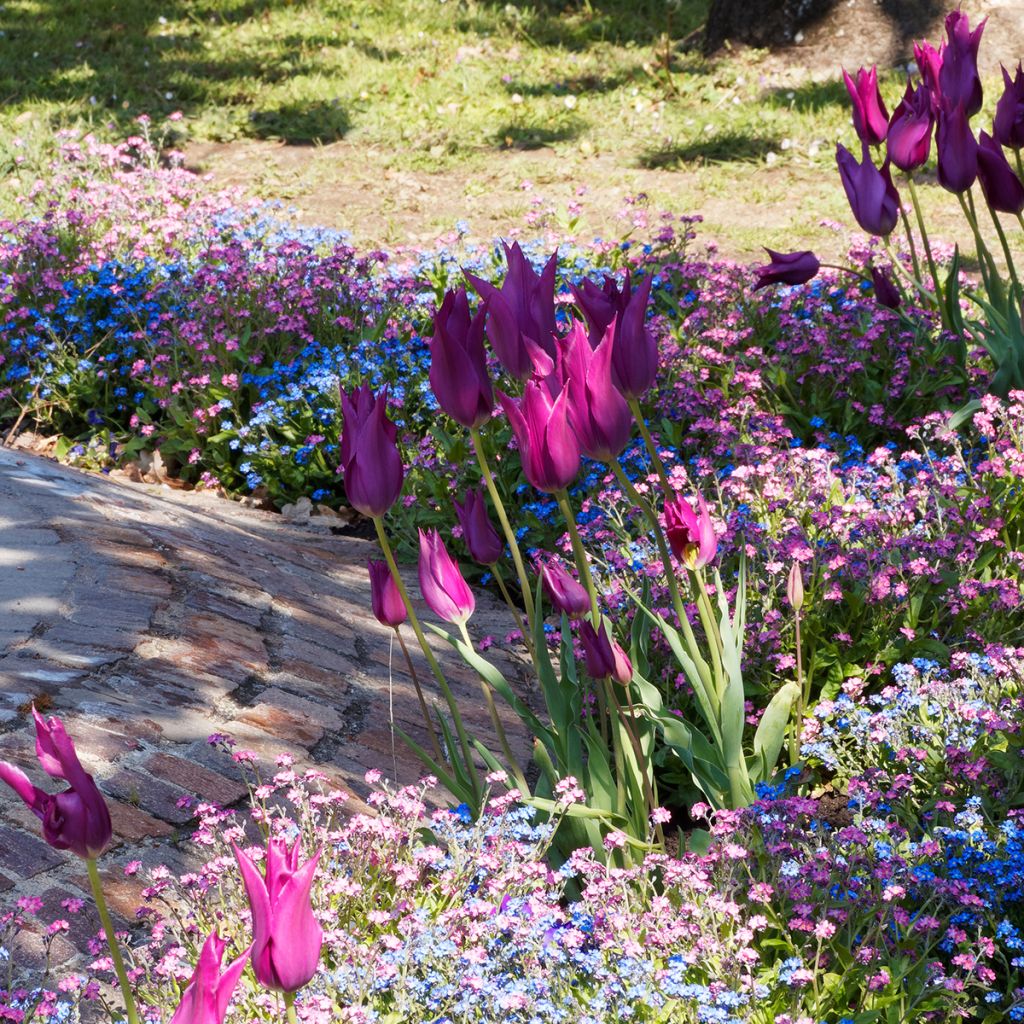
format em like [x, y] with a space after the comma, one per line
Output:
[149, 618]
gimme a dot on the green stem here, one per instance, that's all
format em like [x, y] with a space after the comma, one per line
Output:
[1009, 256]
[289, 1005]
[438, 753]
[988, 264]
[801, 702]
[910, 241]
[707, 618]
[652, 450]
[937, 287]
[629, 721]
[580, 554]
[513, 608]
[115, 950]
[506, 526]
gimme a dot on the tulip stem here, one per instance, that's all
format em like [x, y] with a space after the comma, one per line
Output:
[801, 701]
[989, 272]
[414, 621]
[580, 554]
[438, 753]
[517, 612]
[910, 241]
[652, 448]
[506, 526]
[1009, 256]
[936, 286]
[96, 884]
[289, 1006]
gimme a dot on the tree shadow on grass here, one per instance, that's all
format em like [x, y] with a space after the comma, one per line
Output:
[534, 136]
[722, 147]
[811, 97]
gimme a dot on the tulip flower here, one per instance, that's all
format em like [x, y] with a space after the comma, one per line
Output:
[447, 594]
[872, 195]
[601, 304]
[76, 819]
[957, 149]
[547, 445]
[566, 595]
[385, 598]
[634, 351]
[1008, 124]
[959, 83]
[787, 268]
[929, 63]
[598, 413]
[886, 292]
[478, 531]
[287, 938]
[602, 656]
[458, 362]
[910, 130]
[690, 535]
[1003, 189]
[870, 118]
[369, 454]
[205, 999]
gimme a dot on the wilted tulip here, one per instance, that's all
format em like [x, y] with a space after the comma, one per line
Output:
[478, 531]
[959, 82]
[602, 656]
[957, 149]
[910, 130]
[205, 999]
[385, 598]
[369, 454]
[447, 594]
[886, 292]
[787, 268]
[873, 197]
[287, 938]
[598, 413]
[548, 447]
[870, 118]
[75, 820]
[1003, 189]
[566, 595]
[690, 535]
[1008, 124]
[458, 362]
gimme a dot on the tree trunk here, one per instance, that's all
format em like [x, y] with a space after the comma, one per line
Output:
[762, 23]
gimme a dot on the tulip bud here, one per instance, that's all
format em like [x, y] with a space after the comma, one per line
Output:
[795, 587]
[1002, 188]
[369, 453]
[602, 656]
[207, 995]
[484, 544]
[959, 83]
[1008, 124]
[548, 447]
[287, 938]
[447, 594]
[385, 597]
[957, 149]
[600, 305]
[870, 118]
[691, 536]
[910, 131]
[567, 596]
[76, 819]
[787, 268]
[872, 195]
[458, 363]
[929, 63]
[886, 292]
[635, 350]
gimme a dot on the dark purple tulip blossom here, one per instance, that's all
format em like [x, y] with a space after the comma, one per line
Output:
[482, 539]
[369, 453]
[787, 268]
[886, 292]
[1008, 124]
[458, 362]
[1003, 189]
[385, 598]
[870, 118]
[548, 447]
[601, 304]
[873, 197]
[910, 130]
[959, 82]
[956, 148]
[564, 592]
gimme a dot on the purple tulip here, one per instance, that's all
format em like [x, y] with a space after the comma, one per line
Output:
[369, 454]
[548, 447]
[447, 594]
[635, 350]
[957, 149]
[910, 130]
[873, 197]
[287, 938]
[458, 362]
[75, 820]
[929, 63]
[1003, 189]
[598, 413]
[484, 544]
[870, 118]
[205, 999]
[1008, 124]
[602, 656]
[886, 292]
[690, 535]
[959, 82]
[600, 305]
[566, 595]
[787, 268]
[385, 597]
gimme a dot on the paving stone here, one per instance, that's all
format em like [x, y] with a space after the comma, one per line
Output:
[195, 779]
[25, 855]
[132, 825]
[153, 795]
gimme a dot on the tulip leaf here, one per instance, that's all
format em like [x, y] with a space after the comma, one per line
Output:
[771, 730]
[459, 791]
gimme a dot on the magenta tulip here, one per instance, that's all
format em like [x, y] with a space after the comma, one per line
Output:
[1002, 188]
[287, 938]
[1008, 124]
[873, 197]
[691, 535]
[76, 819]
[566, 595]
[385, 597]
[369, 453]
[956, 148]
[959, 82]
[458, 362]
[929, 63]
[787, 268]
[447, 594]
[910, 130]
[635, 351]
[602, 656]
[485, 546]
[600, 304]
[205, 999]
[886, 292]
[548, 447]
[598, 413]
[870, 118]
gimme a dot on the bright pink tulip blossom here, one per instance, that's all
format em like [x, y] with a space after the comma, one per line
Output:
[205, 1000]
[565, 593]
[548, 447]
[910, 130]
[77, 819]
[691, 535]
[287, 938]
[447, 594]
[369, 453]
[870, 118]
